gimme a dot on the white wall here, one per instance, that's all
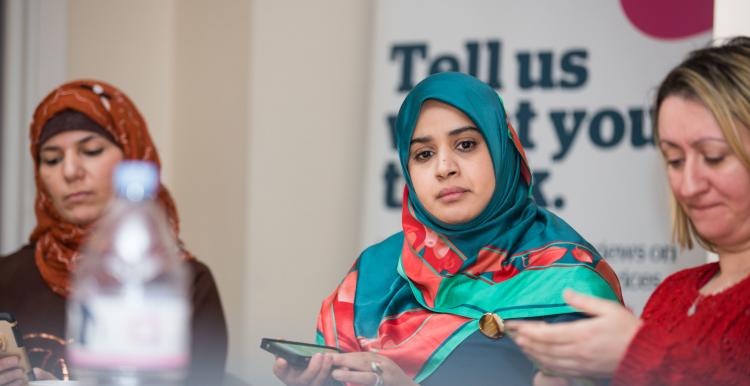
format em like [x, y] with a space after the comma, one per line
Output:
[309, 66]
[130, 44]
[210, 155]
[730, 18]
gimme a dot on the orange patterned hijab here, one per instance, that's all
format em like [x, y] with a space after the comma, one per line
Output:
[57, 241]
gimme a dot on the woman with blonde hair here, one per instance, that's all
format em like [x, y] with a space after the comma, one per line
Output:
[695, 329]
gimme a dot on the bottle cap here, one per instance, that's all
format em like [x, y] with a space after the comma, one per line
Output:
[136, 180]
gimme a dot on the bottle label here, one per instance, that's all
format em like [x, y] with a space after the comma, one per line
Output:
[133, 331]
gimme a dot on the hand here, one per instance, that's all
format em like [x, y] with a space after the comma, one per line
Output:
[11, 373]
[42, 375]
[357, 367]
[541, 379]
[315, 374]
[588, 347]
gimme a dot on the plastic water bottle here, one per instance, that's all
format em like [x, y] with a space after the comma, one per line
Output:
[128, 313]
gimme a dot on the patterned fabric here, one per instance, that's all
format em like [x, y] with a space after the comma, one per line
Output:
[57, 241]
[417, 295]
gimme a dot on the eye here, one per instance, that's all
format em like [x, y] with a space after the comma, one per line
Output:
[674, 163]
[674, 159]
[714, 160]
[93, 152]
[466, 145]
[423, 155]
[51, 161]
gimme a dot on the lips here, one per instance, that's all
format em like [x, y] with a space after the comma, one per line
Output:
[701, 206]
[451, 194]
[78, 197]
[701, 210]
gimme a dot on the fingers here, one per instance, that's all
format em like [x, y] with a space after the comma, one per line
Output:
[559, 366]
[560, 359]
[511, 326]
[42, 375]
[324, 371]
[590, 346]
[313, 369]
[317, 371]
[590, 304]
[571, 365]
[12, 377]
[569, 332]
[355, 361]
[542, 351]
[356, 368]
[280, 368]
[545, 333]
[11, 372]
[9, 362]
[552, 347]
[541, 379]
[358, 377]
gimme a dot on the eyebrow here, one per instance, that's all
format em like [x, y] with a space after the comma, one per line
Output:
[81, 141]
[692, 144]
[451, 133]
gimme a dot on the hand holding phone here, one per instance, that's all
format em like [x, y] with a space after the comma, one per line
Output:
[11, 343]
[297, 354]
[299, 369]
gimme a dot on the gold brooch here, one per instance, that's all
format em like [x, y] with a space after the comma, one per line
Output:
[492, 325]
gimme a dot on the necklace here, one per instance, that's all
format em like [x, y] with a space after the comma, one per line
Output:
[691, 310]
[700, 297]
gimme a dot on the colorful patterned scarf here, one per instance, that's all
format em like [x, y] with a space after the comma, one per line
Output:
[417, 295]
[57, 241]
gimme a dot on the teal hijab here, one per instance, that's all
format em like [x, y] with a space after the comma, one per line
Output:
[511, 211]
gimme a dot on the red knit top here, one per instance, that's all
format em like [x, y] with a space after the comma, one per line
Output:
[711, 347]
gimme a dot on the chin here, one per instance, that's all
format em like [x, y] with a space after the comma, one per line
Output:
[715, 236]
[456, 219]
[711, 229]
[80, 219]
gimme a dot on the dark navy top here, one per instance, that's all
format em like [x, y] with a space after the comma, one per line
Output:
[481, 361]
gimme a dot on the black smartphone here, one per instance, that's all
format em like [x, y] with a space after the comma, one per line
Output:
[296, 354]
[11, 342]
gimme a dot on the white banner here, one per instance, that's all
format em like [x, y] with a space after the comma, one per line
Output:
[578, 79]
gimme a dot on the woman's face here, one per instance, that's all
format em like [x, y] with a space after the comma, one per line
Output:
[450, 164]
[708, 180]
[76, 170]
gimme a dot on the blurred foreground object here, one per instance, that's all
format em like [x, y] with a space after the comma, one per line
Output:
[128, 311]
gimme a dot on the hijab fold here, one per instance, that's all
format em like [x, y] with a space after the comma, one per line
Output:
[57, 242]
[417, 295]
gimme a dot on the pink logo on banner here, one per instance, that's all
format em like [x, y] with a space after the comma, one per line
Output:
[670, 19]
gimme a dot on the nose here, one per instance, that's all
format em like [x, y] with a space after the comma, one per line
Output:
[446, 165]
[693, 180]
[72, 168]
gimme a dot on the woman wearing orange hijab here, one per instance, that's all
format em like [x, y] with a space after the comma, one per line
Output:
[79, 132]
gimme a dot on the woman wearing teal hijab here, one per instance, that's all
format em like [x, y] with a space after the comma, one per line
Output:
[427, 305]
